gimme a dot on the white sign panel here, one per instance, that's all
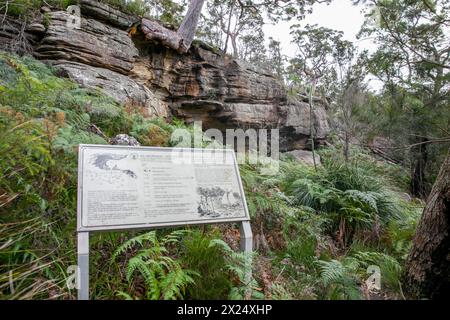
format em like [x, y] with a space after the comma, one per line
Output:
[121, 187]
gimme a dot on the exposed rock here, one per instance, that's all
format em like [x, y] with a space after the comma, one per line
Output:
[305, 156]
[94, 44]
[202, 84]
[37, 28]
[124, 140]
[45, 9]
[103, 12]
[225, 93]
[120, 87]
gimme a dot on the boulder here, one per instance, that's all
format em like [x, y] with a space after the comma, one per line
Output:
[124, 140]
[305, 156]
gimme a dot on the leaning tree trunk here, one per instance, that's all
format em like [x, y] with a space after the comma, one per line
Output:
[189, 24]
[427, 270]
[180, 40]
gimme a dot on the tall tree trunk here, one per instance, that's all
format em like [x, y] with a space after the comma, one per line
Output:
[189, 24]
[346, 145]
[427, 270]
[420, 156]
[234, 45]
[180, 40]
[311, 121]
[228, 28]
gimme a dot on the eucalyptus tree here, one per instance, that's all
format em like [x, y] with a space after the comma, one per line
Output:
[181, 39]
[413, 62]
[232, 16]
[427, 270]
[320, 53]
[236, 23]
[276, 59]
[251, 48]
[167, 11]
[349, 99]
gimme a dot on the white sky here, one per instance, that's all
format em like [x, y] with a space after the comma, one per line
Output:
[339, 15]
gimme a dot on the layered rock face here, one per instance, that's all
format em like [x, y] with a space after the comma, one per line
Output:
[201, 85]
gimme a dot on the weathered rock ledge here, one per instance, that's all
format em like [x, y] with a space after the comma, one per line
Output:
[201, 85]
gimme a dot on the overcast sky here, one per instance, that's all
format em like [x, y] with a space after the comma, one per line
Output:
[339, 15]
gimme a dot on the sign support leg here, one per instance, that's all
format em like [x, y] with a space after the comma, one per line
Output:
[246, 242]
[83, 266]
[246, 245]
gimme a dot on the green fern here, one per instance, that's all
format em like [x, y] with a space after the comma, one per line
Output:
[239, 264]
[390, 268]
[163, 276]
[339, 278]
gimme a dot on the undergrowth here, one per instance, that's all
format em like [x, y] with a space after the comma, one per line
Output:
[316, 232]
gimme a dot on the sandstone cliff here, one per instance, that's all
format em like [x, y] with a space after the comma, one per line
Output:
[200, 85]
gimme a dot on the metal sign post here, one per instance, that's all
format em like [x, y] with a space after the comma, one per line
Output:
[83, 265]
[121, 187]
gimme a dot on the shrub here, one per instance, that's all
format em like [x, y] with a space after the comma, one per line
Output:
[320, 228]
[339, 279]
[198, 254]
[163, 276]
[22, 8]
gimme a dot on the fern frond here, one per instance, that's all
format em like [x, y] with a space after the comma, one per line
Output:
[138, 240]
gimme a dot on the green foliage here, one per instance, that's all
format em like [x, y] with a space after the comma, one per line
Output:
[23, 8]
[412, 106]
[167, 11]
[136, 7]
[69, 138]
[351, 193]
[209, 261]
[239, 264]
[303, 235]
[400, 232]
[42, 120]
[322, 228]
[163, 276]
[339, 279]
[32, 262]
[389, 267]
[24, 155]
